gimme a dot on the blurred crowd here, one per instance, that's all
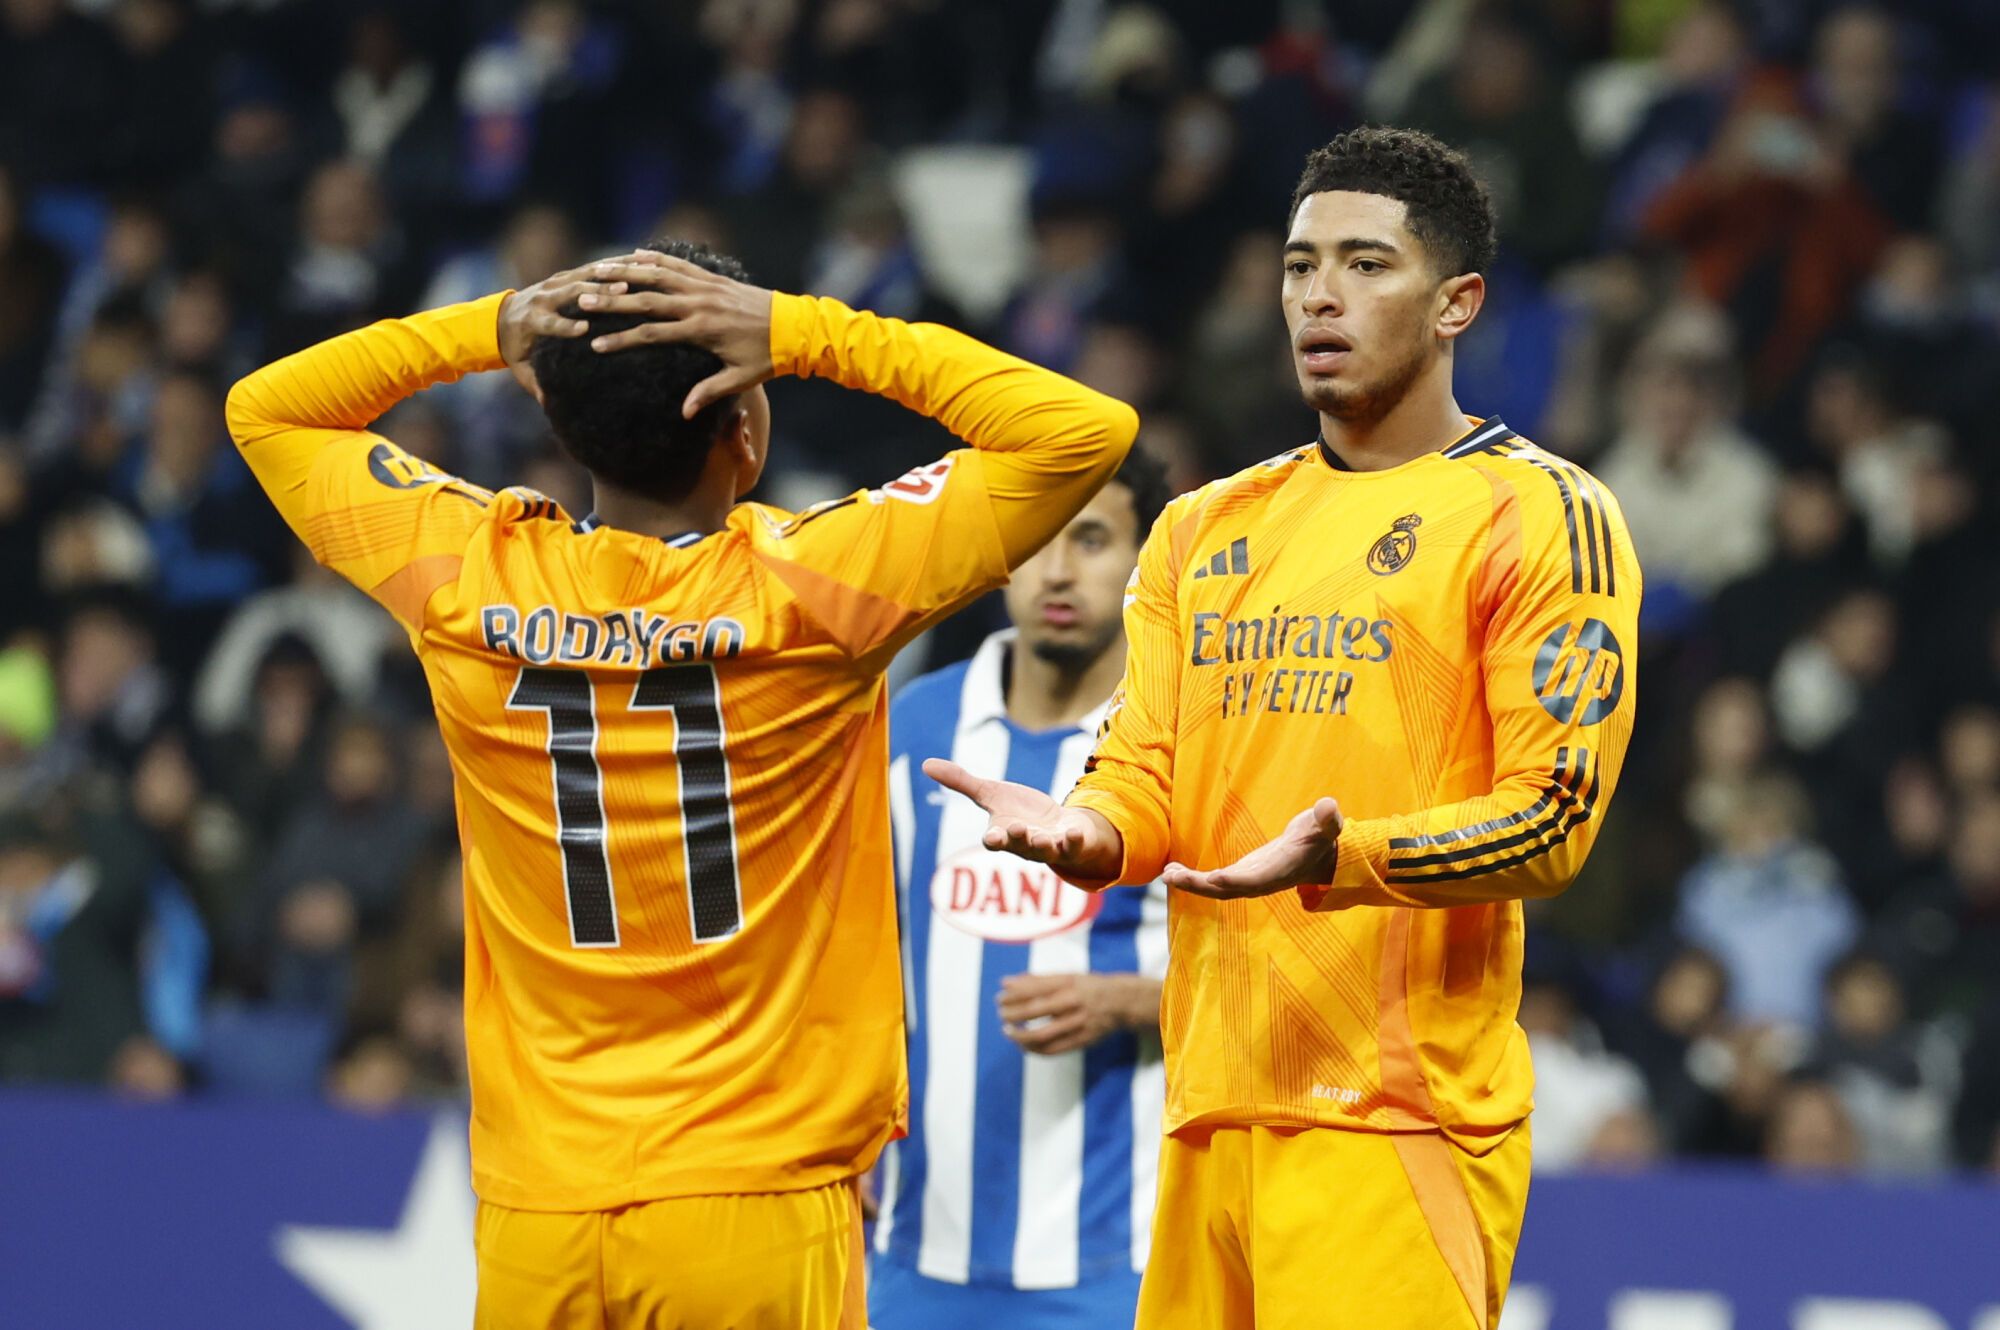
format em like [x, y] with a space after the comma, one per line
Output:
[1750, 275]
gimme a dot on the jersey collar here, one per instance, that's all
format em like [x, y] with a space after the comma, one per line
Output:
[983, 697]
[591, 521]
[1482, 435]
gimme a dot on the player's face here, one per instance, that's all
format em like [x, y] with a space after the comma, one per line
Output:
[1069, 600]
[1362, 302]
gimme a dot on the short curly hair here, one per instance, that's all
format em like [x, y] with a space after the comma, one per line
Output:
[619, 414]
[1449, 209]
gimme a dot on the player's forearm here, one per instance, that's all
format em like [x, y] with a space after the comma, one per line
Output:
[1524, 841]
[282, 414]
[1050, 442]
[1138, 1002]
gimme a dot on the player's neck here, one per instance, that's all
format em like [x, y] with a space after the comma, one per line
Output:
[1425, 420]
[700, 511]
[1043, 695]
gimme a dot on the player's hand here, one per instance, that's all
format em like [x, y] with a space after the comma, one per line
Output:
[1304, 854]
[685, 302]
[536, 311]
[1058, 1013]
[1076, 842]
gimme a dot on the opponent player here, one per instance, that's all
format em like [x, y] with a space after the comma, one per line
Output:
[669, 730]
[1023, 1197]
[1378, 693]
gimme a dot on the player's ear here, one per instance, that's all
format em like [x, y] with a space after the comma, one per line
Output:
[736, 433]
[1459, 301]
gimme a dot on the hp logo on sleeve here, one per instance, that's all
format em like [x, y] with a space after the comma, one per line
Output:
[1580, 667]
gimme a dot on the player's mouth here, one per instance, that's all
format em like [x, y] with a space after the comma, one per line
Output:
[1322, 352]
[1060, 614]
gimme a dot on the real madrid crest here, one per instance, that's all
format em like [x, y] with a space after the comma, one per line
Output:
[1398, 547]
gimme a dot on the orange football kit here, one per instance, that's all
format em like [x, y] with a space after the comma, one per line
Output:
[682, 1001]
[1447, 648]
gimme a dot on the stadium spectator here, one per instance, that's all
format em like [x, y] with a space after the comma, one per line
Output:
[1810, 1131]
[1896, 1078]
[1943, 936]
[1676, 1040]
[1590, 1103]
[1697, 491]
[337, 871]
[31, 278]
[1770, 906]
[97, 945]
[1774, 228]
[212, 546]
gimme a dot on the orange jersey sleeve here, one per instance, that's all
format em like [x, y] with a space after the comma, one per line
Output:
[880, 565]
[392, 525]
[1560, 672]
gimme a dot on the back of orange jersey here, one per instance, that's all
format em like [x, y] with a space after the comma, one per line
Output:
[672, 755]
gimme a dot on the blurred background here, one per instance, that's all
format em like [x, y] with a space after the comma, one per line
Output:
[1749, 274]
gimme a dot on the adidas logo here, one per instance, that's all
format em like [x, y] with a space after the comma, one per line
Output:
[1235, 559]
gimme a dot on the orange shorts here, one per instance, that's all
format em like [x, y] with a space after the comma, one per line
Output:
[772, 1261]
[1283, 1228]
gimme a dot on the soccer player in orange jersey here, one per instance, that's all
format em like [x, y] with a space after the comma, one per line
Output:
[668, 725]
[1377, 694]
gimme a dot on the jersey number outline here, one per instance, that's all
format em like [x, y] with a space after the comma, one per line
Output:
[708, 817]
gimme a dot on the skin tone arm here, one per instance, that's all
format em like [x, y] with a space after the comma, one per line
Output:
[1072, 1011]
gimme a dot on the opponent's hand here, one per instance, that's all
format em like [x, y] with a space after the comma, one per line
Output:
[1025, 821]
[684, 302]
[1304, 854]
[1057, 1013]
[536, 311]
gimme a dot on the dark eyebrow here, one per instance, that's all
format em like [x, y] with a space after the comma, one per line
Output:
[1353, 245]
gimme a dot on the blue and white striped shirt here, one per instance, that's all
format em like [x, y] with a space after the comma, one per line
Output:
[1021, 1170]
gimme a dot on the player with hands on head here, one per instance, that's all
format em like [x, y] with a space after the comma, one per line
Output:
[668, 723]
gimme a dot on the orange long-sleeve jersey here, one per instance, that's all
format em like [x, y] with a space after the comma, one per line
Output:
[671, 757]
[1446, 648]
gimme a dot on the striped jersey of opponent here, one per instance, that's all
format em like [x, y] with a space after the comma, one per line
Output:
[1447, 647]
[672, 759]
[1020, 1170]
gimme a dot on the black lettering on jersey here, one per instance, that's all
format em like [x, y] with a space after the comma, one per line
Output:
[391, 466]
[617, 640]
[1204, 628]
[580, 636]
[538, 638]
[722, 639]
[645, 629]
[501, 627]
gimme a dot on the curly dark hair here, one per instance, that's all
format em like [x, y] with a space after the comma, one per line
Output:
[619, 415]
[1448, 208]
[1145, 477]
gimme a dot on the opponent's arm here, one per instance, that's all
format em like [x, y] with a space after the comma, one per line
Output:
[1059, 1013]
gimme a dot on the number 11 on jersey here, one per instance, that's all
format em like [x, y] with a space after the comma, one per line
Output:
[708, 820]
